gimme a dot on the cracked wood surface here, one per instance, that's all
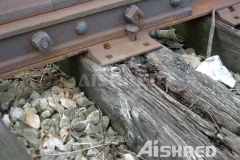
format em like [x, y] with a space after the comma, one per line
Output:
[142, 113]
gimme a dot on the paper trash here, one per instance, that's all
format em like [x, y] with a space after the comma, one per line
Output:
[214, 68]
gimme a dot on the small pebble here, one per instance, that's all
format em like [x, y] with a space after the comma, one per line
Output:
[35, 95]
[6, 120]
[80, 157]
[128, 157]
[91, 129]
[6, 96]
[64, 122]
[84, 102]
[17, 113]
[68, 83]
[5, 105]
[79, 126]
[60, 119]
[46, 114]
[77, 96]
[106, 121]
[94, 117]
[68, 103]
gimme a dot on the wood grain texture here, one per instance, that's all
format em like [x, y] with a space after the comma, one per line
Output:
[212, 97]
[142, 113]
[226, 40]
[10, 147]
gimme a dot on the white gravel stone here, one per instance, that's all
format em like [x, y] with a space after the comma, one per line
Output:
[111, 132]
[64, 122]
[57, 107]
[44, 105]
[80, 157]
[17, 113]
[91, 109]
[79, 126]
[5, 105]
[128, 157]
[91, 129]
[32, 118]
[35, 95]
[6, 96]
[92, 152]
[46, 114]
[94, 117]
[69, 113]
[6, 120]
[68, 83]
[77, 96]
[27, 105]
[57, 90]
[106, 121]
[84, 102]
[68, 103]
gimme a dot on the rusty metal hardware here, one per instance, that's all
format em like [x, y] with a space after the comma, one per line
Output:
[81, 27]
[175, 3]
[122, 49]
[132, 30]
[41, 41]
[230, 15]
[105, 22]
[133, 14]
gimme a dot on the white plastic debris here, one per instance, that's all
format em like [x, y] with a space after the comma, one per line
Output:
[214, 68]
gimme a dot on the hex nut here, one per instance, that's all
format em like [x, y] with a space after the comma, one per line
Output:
[133, 14]
[41, 41]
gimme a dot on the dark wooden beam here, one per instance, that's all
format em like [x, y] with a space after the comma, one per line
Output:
[142, 113]
[225, 43]
[10, 147]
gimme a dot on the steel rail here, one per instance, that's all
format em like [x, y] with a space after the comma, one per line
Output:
[13, 63]
[11, 11]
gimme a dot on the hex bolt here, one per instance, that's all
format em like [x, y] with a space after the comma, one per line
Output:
[81, 27]
[131, 31]
[41, 41]
[133, 14]
[175, 3]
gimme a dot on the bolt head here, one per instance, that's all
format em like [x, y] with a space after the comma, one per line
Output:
[41, 41]
[133, 14]
[81, 27]
[45, 44]
[175, 3]
[132, 28]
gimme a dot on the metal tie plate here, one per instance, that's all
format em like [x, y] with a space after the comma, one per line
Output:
[230, 15]
[121, 49]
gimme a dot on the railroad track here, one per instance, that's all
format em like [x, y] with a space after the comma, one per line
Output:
[34, 33]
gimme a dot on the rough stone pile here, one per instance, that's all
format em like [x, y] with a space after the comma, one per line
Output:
[59, 123]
